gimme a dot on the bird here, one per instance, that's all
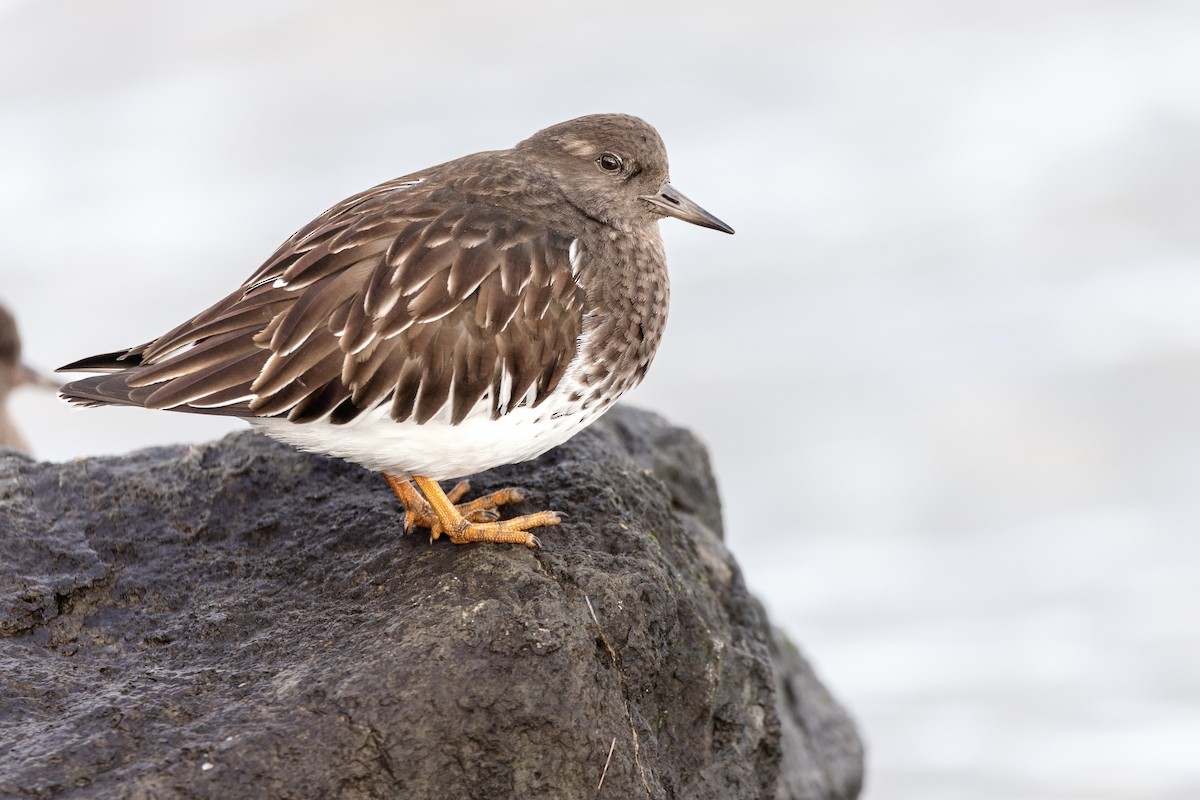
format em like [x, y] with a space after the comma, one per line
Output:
[473, 314]
[14, 373]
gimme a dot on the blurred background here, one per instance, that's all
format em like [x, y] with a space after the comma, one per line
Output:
[949, 367]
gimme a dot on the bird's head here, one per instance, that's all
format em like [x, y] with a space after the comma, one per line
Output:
[613, 168]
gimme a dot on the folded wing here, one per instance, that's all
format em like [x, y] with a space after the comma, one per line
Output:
[434, 308]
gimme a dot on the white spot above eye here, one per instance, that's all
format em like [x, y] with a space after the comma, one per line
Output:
[576, 146]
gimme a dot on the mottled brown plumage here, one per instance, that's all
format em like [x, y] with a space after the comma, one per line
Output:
[525, 286]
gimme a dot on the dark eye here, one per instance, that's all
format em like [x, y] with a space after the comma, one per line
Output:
[609, 163]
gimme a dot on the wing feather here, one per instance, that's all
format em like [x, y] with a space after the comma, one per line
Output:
[426, 301]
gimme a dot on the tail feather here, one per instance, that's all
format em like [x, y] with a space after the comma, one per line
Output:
[114, 390]
[102, 390]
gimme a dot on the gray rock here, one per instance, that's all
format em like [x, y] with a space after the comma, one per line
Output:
[240, 619]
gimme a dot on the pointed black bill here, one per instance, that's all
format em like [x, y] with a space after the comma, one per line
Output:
[674, 203]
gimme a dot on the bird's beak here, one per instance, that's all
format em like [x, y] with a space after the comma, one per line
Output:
[28, 376]
[674, 203]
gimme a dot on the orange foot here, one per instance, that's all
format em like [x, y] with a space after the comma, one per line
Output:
[475, 521]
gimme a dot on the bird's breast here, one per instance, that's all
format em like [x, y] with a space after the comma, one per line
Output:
[628, 294]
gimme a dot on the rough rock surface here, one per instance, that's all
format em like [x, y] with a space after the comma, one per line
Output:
[240, 619]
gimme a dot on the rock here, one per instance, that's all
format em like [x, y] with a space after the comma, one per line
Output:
[239, 619]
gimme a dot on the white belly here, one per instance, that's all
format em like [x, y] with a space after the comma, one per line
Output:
[438, 449]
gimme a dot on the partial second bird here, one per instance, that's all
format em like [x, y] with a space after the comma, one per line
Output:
[14, 374]
[473, 314]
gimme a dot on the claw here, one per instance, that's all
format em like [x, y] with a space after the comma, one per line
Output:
[474, 521]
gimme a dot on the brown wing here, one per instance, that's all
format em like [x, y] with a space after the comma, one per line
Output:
[391, 297]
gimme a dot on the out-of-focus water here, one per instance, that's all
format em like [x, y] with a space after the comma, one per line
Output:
[949, 367]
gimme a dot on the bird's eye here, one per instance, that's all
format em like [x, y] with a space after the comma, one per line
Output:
[609, 163]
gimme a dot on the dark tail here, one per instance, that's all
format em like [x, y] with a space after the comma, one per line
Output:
[103, 390]
[114, 390]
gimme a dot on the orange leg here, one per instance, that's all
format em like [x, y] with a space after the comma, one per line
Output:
[474, 521]
[419, 514]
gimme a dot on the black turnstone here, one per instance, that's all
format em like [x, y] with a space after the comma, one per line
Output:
[469, 315]
[13, 373]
